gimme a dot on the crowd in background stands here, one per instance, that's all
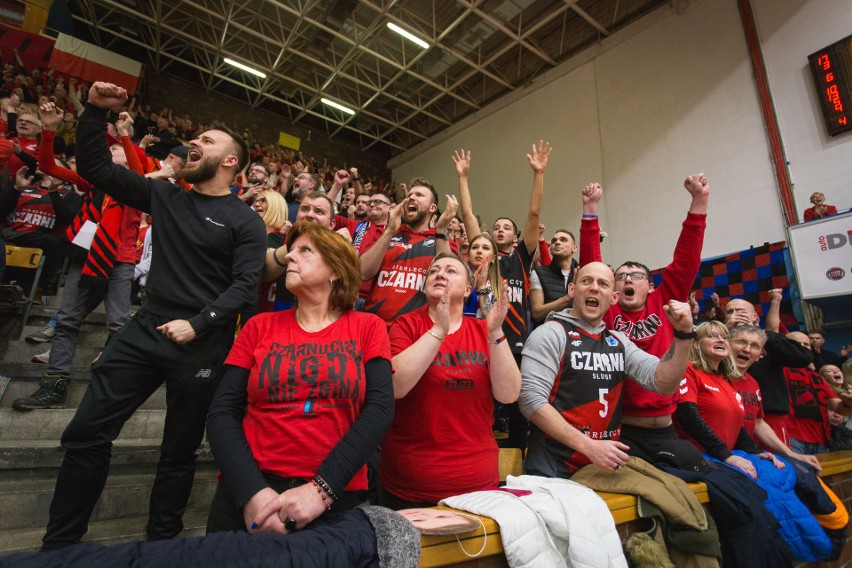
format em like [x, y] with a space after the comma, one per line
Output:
[443, 324]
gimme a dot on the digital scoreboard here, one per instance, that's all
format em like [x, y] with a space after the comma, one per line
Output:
[832, 71]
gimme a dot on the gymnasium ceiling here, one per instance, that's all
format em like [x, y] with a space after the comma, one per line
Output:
[402, 94]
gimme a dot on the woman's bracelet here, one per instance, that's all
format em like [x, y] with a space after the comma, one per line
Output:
[321, 493]
[320, 482]
[497, 341]
[435, 335]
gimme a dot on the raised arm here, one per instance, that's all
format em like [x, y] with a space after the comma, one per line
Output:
[505, 375]
[538, 162]
[773, 314]
[51, 118]
[371, 260]
[410, 364]
[590, 229]
[443, 223]
[94, 162]
[461, 159]
[672, 365]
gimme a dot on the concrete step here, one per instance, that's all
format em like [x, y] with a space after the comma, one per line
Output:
[93, 334]
[49, 424]
[25, 502]
[25, 386]
[22, 352]
[24, 455]
[29, 370]
[102, 532]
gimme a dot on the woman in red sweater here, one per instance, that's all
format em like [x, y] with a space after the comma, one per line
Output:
[447, 368]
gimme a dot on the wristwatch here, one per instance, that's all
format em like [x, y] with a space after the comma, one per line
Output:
[685, 334]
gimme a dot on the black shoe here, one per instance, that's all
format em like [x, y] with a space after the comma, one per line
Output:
[52, 393]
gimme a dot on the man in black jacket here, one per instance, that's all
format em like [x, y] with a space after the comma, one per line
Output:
[206, 266]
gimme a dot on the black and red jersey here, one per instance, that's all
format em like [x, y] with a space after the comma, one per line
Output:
[586, 393]
[34, 212]
[515, 269]
[398, 285]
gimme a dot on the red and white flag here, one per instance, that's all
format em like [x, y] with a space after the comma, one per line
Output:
[91, 63]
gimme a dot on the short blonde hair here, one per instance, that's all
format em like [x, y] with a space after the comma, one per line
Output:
[276, 209]
[817, 195]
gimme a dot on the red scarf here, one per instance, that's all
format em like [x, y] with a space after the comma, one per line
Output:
[107, 213]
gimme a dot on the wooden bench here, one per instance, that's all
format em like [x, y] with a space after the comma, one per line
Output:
[445, 550]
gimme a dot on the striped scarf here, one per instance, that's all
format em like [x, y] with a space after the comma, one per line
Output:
[106, 212]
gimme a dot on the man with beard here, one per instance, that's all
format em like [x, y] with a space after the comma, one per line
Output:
[362, 207]
[400, 257]
[303, 184]
[257, 177]
[573, 370]
[206, 264]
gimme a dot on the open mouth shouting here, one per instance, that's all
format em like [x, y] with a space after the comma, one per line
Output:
[192, 158]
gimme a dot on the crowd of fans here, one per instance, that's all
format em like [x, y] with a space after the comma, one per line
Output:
[348, 296]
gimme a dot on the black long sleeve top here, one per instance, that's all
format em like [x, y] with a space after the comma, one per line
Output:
[208, 251]
[768, 371]
[240, 473]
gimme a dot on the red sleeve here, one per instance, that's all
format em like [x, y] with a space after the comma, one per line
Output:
[403, 333]
[688, 389]
[133, 161]
[680, 274]
[830, 210]
[47, 164]
[590, 241]
[544, 253]
[242, 351]
[809, 213]
[377, 343]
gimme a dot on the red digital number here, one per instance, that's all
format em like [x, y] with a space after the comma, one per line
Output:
[841, 120]
[829, 77]
[825, 62]
[834, 98]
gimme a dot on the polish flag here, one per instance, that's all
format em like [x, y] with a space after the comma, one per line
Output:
[92, 63]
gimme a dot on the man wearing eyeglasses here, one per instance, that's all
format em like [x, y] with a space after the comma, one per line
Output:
[639, 312]
[257, 177]
[303, 184]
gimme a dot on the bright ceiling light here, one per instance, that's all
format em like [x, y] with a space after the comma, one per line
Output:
[245, 68]
[408, 35]
[338, 106]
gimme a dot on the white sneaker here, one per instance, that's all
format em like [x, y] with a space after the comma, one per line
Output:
[43, 335]
[43, 358]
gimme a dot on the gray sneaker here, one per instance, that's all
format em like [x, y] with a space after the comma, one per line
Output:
[52, 393]
[43, 335]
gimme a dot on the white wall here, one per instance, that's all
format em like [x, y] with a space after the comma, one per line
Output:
[669, 96]
[790, 30]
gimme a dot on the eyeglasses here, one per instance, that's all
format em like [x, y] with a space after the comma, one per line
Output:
[634, 276]
[743, 343]
[715, 335]
[257, 171]
[377, 202]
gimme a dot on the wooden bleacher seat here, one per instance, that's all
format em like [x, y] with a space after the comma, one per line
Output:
[23, 257]
[445, 550]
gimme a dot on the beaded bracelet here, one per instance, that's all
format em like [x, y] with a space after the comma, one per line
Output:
[325, 487]
[321, 493]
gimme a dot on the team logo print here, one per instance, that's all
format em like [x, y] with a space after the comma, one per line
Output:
[573, 335]
[429, 243]
[835, 273]
[612, 342]
[576, 343]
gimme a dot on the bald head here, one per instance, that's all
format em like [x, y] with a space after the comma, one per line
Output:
[800, 338]
[594, 292]
[740, 312]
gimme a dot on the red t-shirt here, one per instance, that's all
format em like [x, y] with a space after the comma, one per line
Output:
[441, 443]
[718, 403]
[649, 328]
[749, 392]
[809, 395]
[305, 389]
